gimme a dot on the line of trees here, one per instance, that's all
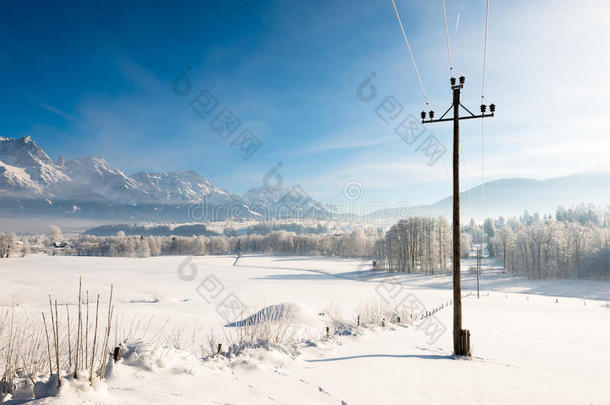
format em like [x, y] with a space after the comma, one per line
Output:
[418, 244]
[573, 244]
[352, 244]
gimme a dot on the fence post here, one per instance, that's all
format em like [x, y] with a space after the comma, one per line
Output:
[116, 355]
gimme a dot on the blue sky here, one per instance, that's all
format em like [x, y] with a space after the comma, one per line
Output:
[97, 80]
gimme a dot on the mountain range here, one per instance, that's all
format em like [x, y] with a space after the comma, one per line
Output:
[32, 184]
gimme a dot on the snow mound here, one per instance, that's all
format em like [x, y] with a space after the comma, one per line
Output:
[284, 312]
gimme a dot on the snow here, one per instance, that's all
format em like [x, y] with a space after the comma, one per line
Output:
[25, 154]
[533, 341]
[16, 177]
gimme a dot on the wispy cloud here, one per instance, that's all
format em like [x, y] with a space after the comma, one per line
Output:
[336, 142]
[57, 111]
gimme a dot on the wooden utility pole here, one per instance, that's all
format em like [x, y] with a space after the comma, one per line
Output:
[479, 260]
[461, 338]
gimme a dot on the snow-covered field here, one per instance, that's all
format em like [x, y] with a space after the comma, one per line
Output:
[533, 341]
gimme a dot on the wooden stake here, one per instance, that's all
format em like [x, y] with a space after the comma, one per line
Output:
[116, 355]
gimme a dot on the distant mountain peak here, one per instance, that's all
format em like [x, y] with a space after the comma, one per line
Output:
[26, 154]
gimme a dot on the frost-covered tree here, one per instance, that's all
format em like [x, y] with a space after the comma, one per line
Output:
[54, 234]
[573, 244]
[415, 244]
[25, 247]
[465, 244]
[143, 248]
[7, 245]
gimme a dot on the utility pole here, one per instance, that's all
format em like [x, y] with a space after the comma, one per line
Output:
[479, 259]
[461, 338]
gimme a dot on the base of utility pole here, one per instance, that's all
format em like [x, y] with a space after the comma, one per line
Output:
[464, 344]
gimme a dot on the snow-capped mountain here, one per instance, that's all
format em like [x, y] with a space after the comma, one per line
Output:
[38, 169]
[181, 186]
[31, 183]
[17, 180]
[97, 174]
[285, 202]
[26, 170]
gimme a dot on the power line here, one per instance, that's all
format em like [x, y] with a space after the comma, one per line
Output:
[451, 67]
[447, 37]
[485, 49]
[483, 208]
[404, 35]
[421, 83]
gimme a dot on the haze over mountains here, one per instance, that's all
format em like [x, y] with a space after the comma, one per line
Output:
[33, 185]
[26, 171]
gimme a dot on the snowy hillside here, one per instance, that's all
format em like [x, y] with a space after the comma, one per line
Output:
[99, 175]
[533, 341]
[181, 186]
[509, 197]
[285, 200]
[25, 154]
[17, 180]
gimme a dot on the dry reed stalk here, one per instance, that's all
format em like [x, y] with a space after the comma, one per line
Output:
[87, 334]
[97, 310]
[78, 329]
[69, 342]
[108, 326]
[48, 344]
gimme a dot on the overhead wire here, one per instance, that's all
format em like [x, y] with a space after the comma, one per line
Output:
[483, 207]
[404, 35]
[451, 68]
[447, 37]
[421, 83]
